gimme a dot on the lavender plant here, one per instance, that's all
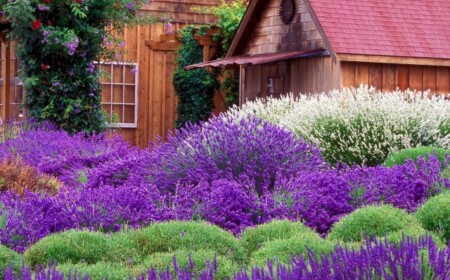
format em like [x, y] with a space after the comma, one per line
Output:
[359, 125]
[251, 151]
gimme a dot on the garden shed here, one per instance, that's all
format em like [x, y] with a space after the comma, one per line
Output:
[311, 46]
[138, 87]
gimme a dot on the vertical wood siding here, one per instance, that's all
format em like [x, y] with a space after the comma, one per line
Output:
[303, 75]
[388, 77]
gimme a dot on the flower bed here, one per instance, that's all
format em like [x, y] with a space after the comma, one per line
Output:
[234, 172]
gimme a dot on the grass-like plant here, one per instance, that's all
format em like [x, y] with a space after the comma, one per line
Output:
[434, 215]
[282, 251]
[255, 237]
[195, 261]
[372, 221]
[9, 258]
[190, 236]
[99, 270]
[75, 247]
[397, 158]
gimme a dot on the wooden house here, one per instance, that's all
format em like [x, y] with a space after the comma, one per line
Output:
[138, 88]
[310, 46]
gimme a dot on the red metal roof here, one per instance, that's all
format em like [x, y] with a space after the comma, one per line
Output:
[256, 59]
[409, 28]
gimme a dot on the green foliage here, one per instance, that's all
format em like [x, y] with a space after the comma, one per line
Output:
[229, 15]
[160, 261]
[230, 87]
[372, 221]
[57, 43]
[283, 250]
[100, 270]
[434, 215]
[416, 232]
[190, 236]
[77, 246]
[401, 156]
[194, 88]
[7, 257]
[255, 237]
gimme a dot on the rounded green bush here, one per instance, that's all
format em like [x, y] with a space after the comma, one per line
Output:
[191, 236]
[254, 237]
[371, 221]
[77, 246]
[9, 257]
[160, 261]
[401, 156]
[434, 215]
[282, 251]
[100, 270]
[416, 232]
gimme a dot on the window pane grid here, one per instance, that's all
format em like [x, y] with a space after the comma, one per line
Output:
[119, 92]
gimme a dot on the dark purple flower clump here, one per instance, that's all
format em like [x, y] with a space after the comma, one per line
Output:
[250, 150]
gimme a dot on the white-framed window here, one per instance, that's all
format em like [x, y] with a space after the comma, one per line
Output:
[119, 82]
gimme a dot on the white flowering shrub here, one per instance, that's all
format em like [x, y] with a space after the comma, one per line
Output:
[359, 125]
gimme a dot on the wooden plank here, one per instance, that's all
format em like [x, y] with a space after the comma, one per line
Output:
[361, 74]
[319, 77]
[402, 77]
[389, 71]
[394, 60]
[143, 86]
[242, 82]
[327, 74]
[6, 76]
[376, 76]
[348, 74]
[309, 78]
[443, 80]
[416, 78]
[302, 70]
[163, 46]
[157, 92]
[429, 78]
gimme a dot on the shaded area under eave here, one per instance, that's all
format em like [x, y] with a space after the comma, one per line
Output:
[257, 59]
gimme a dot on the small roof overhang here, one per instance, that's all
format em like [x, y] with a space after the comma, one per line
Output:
[257, 59]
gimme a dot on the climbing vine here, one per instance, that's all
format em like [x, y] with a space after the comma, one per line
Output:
[194, 88]
[58, 42]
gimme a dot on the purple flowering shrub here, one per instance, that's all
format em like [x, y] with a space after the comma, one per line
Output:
[250, 150]
[404, 186]
[107, 209]
[65, 156]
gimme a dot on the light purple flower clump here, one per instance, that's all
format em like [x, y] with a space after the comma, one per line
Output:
[106, 209]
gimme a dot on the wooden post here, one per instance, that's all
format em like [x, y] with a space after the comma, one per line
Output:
[241, 84]
[6, 76]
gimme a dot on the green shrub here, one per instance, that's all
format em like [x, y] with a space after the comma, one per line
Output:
[372, 221]
[401, 156]
[416, 233]
[434, 215]
[77, 246]
[100, 270]
[7, 257]
[160, 261]
[253, 238]
[191, 236]
[283, 250]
